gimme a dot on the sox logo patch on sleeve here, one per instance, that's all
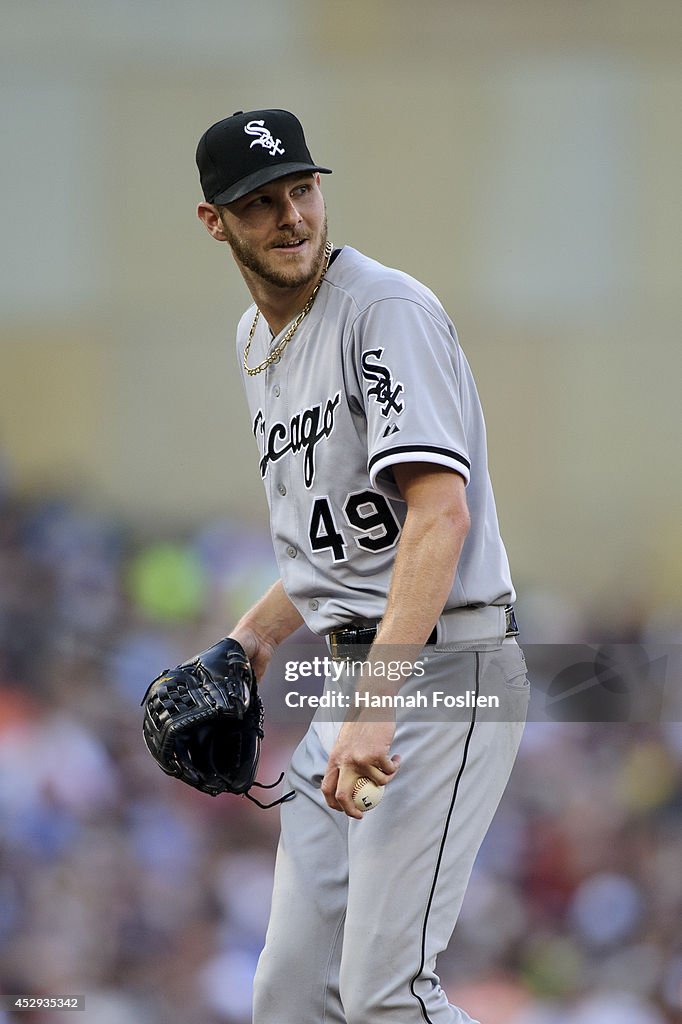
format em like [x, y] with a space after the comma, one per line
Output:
[385, 392]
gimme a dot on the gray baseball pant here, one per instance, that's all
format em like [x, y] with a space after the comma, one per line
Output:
[361, 909]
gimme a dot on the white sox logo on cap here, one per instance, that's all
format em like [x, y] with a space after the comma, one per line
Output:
[265, 138]
[229, 170]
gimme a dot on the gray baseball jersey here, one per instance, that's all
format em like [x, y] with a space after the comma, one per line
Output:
[374, 376]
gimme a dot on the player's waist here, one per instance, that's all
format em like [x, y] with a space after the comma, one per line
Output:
[455, 630]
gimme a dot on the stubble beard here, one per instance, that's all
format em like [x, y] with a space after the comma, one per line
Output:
[294, 278]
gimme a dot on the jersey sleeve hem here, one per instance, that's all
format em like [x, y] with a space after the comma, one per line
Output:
[382, 461]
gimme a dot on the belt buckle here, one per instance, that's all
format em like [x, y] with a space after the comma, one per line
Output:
[340, 638]
[510, 623]
[350, 638]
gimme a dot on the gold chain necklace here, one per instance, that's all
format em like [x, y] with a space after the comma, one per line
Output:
[274, 356]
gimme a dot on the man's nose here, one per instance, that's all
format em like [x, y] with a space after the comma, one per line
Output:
[288, 213]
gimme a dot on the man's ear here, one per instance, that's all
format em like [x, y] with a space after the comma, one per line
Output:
[209, 216]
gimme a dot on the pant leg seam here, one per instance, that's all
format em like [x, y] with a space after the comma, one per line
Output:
[441, 849]
[330, 961]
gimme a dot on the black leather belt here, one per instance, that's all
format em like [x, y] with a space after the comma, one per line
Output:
[347, 642]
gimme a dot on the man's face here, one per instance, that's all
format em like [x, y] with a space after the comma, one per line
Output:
[279, 231]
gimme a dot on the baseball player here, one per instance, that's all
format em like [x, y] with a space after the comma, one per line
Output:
[372, 450]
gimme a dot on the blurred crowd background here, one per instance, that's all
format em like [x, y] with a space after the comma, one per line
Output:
[523, 160]
[152, 899]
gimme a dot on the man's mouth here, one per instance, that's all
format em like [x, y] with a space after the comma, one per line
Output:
[295, 243]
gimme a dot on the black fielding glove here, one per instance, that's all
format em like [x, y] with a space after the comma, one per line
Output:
[203, 722]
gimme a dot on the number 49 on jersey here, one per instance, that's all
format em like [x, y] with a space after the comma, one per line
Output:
[369, 521]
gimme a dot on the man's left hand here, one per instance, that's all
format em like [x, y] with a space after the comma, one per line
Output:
[361, 751]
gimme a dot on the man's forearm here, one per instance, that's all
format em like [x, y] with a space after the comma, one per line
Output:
[428, 553]
[424, 572]
[270, 621]
[273, 618]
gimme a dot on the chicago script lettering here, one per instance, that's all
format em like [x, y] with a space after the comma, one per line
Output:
[303, 433]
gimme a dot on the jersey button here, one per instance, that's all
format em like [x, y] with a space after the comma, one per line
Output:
[314, 604]
[291, 551]
[276, 390]
[281, 488]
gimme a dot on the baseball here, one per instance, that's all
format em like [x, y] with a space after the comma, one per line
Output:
[366, 794]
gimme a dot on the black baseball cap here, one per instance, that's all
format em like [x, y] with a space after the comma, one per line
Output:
[249, 149]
